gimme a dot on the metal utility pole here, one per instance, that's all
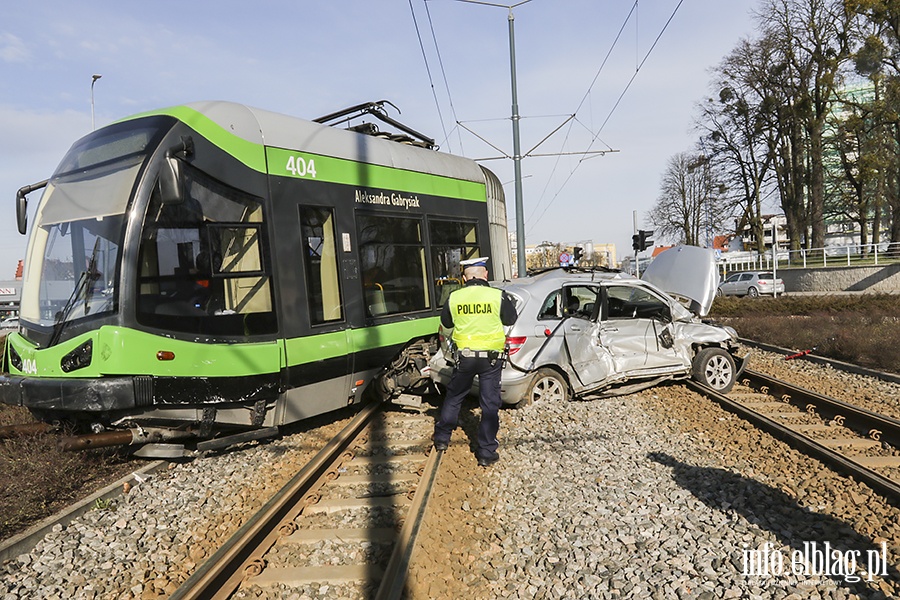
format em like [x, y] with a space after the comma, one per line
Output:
[517, 154]
[637, 264]
[774, 257]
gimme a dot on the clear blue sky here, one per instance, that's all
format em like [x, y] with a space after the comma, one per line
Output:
[310, 58]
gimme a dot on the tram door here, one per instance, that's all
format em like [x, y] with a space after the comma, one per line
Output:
[320, 361]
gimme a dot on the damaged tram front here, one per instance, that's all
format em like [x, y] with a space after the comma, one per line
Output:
[210, 269]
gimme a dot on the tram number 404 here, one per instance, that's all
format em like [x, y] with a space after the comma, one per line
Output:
[299, 166]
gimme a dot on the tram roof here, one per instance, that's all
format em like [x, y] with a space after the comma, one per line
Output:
[266, 128]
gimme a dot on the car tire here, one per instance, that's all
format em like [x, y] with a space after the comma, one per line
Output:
[546, 386]
[714, 368]
[719, 293]
[753, 292]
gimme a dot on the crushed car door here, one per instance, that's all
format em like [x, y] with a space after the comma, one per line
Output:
[589, 360]
[636, 329]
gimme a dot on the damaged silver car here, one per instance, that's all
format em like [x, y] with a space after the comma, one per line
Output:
[604, 333]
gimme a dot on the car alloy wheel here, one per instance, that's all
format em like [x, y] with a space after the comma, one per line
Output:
[547, 386]
[714, 368]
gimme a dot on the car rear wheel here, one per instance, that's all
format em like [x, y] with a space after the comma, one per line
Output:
[753, 292]
[547, 386]
[714, 368]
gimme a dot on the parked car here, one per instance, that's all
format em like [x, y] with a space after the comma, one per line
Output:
[751, 283]
[10, 323]
[582, 332]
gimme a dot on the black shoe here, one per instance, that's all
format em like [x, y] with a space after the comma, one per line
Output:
[440, 446]
[488, 461]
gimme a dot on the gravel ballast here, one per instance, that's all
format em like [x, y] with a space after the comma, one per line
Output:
[653, 495]
[660, 494]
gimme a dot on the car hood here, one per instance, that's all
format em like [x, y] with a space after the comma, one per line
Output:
[686, 272]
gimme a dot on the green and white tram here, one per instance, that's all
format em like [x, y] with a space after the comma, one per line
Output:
[213, 268]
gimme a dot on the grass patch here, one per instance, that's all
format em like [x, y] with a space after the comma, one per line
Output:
[861, 329]
[37, 479]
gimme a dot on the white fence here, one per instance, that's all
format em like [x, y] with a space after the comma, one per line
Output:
[830, 256]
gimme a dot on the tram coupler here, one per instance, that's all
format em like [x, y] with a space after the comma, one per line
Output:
[122, 437]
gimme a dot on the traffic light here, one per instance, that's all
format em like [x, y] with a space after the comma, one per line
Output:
[641, 240]
[577, 251]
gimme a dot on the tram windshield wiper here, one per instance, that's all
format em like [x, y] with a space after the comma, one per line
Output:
[82, 285]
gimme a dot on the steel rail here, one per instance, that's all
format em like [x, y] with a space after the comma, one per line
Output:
[394, 580]
[223, 572]
[828, 407]
[823, 360]
[888, 488]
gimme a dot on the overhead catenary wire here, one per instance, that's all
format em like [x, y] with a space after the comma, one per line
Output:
[596, 135]
[437, 51]
[612, 47]
[571, 118]
[428, 69]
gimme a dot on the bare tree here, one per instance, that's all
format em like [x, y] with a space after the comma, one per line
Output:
[811, 38]
[687, 205]
[740, 130]
[876, 39]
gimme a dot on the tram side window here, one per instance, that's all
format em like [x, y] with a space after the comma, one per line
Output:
[204, 264]
[392, 258]
[320, 263]
[451, 242]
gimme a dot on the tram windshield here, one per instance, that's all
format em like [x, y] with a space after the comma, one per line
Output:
[79, 227]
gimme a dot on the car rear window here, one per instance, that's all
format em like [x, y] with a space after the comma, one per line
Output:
[765, 276]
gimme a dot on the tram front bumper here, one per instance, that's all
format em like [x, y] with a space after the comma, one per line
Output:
[68, 395]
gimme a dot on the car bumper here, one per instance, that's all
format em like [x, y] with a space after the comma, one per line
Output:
[513, 383]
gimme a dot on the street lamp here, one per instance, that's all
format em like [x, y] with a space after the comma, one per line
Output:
[94, 79]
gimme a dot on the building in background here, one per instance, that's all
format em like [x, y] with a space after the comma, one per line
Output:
[11, 293]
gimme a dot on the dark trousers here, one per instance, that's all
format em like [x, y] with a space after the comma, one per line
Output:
[459, 386]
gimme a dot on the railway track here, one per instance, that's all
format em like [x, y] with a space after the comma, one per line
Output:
[348, 520]
[853, 441]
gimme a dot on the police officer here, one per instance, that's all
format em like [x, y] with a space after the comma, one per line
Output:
[477, 313]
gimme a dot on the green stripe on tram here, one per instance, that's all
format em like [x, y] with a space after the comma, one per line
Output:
[249, 153]
[124, 351]
[317, 167]
[313, 348]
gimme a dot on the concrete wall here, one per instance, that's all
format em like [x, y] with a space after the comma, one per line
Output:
[884, 279]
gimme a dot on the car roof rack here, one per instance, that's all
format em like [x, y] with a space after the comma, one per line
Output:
[575, 269]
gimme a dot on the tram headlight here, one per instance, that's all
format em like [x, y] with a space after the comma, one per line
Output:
[14, 358]
[78, 358]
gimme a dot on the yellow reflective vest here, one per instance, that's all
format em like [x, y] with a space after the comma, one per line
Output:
[476, 318]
